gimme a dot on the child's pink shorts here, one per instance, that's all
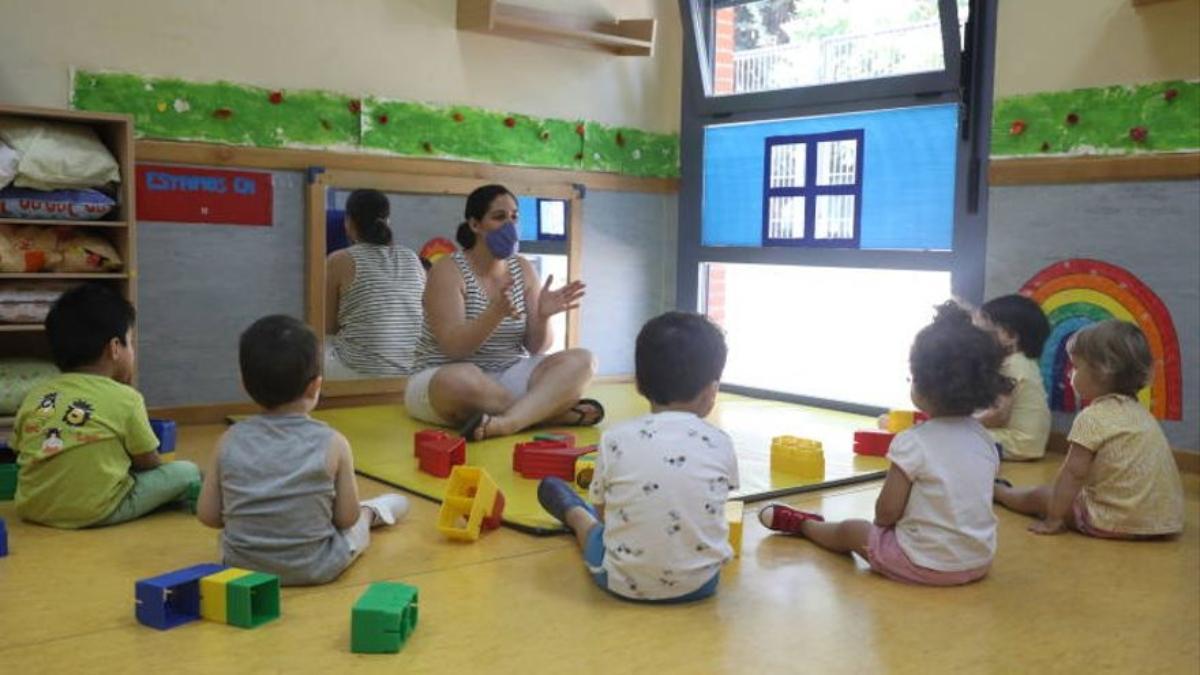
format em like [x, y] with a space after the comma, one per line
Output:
[1083, 525]
[887, 558]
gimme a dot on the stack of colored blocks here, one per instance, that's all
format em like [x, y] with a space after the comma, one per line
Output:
[216, 592]
[164, 430]
[473, 502]
[239, 597]
[437, 451]
[541, 458]
[875, 443]
[803, 457]
[734, 511]
[383, 618]
[8, 481]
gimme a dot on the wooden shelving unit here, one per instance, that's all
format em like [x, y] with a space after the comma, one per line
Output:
[626, 37]
[119, 227]
[22, 222]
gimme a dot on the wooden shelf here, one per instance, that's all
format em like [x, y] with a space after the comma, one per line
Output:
[628, 37]
[21, 328]
[34, 276]
[69, 223]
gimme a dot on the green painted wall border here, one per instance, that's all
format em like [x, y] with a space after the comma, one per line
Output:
[1079, 122]
[238, 114]
[1099, 120]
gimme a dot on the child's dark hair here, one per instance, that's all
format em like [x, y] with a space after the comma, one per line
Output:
[369, 209]
[478, 203]
[677, 355]
[1023, 318]
[1117, 351]
[278, 356]
[83, 321]
[956, 365]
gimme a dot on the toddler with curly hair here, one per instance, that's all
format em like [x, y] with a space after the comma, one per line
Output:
[933, 520]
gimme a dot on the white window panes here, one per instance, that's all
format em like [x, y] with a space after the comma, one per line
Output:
[788, 164]
[833, 217]
[785, 217]
[837, 162]
[552, 217]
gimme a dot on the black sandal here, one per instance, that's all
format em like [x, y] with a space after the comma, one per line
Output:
[467, 430]
[583, 407]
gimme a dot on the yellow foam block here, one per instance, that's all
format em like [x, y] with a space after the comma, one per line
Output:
[899, 420]
[214, 593]
[585, 468]
[470, 497]
[803, 457]
[733, 518]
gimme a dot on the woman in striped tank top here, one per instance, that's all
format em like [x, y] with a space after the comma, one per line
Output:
[480, 357]
[373, 289]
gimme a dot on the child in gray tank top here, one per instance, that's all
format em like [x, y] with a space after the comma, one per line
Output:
[281, 485]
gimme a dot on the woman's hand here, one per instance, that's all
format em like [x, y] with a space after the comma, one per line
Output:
[502, 303]
[562, 300]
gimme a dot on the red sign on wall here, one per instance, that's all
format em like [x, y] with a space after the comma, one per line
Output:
[188, 195]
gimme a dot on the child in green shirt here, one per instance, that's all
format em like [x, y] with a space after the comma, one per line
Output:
[83, 439]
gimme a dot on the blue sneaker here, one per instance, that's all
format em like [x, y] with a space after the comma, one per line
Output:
[558, 497]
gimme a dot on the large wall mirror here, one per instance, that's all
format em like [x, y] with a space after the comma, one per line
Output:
[424, 209]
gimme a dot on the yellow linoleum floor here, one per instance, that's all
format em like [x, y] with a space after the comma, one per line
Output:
[516, 603]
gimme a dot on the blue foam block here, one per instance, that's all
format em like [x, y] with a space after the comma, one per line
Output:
[3, 538]
[171, 599]
[165, 431]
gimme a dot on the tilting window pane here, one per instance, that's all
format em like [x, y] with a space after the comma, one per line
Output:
[906, 177]
[767, 45]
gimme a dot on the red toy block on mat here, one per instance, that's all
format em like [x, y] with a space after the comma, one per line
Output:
[539, 459]
[871, 442]
[438, 452]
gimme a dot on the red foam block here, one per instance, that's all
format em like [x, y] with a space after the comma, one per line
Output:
[438, 452]
[872, 442]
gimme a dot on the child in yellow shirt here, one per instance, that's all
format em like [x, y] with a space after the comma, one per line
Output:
[83, 439]
[1020, 421]
[1119, 480]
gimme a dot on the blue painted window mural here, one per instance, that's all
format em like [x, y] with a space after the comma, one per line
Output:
[812, 189]
[887, 177]
[527, 218]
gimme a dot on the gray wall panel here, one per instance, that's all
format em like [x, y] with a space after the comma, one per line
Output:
[200, 285]
[1150, 229]
[629, 265]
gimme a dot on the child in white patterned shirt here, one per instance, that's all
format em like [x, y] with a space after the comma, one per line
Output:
[657, 532]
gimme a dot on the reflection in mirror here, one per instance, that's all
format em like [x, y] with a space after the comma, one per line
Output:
[373, 290]
[374, 281]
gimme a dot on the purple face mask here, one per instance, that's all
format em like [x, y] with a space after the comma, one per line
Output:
[503, 243]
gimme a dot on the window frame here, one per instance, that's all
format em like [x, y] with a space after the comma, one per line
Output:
[811, 190]
[966, 82]
[695, 15]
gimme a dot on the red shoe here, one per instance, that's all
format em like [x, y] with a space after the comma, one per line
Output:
[783, 518]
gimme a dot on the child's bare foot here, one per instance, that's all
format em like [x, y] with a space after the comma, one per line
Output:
[783, 518]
